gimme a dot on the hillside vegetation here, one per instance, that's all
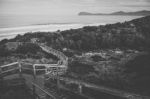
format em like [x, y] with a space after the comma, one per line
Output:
[134, 34]
[115, 70]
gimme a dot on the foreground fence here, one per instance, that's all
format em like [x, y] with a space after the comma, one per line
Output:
[52, 70]
[36, 73]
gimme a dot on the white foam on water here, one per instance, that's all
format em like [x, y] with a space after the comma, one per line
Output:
[12, 32]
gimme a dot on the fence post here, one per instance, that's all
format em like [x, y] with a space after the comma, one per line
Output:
[34, 72]
[1, 78]
[34, 78]
[33, 90]
[80, 88]
[20, 69]
[58, 83]
[0, 72]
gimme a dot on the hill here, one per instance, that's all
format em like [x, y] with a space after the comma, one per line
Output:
[138, 13]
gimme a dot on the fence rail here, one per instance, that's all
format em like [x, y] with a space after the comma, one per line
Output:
[7, 65]
[48, 69]
[43, 90]
[89, 85]
[51, 69]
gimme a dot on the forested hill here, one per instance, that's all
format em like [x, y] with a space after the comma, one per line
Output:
[134, 34]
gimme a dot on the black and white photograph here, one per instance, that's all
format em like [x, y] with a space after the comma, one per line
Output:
[74, 49]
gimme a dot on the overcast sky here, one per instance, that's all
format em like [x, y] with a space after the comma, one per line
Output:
[59, 7]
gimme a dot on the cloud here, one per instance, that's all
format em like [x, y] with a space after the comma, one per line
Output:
[136, 3]
[70, 6]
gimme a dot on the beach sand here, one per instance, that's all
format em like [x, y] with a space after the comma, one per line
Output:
[7, 33]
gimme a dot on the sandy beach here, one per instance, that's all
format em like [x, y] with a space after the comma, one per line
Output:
[7, 33]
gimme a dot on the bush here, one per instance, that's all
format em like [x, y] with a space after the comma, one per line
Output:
[28, 48]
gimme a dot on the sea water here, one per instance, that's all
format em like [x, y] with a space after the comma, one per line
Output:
[12, 25]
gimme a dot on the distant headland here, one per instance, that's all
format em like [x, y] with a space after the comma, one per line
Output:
[137, 13]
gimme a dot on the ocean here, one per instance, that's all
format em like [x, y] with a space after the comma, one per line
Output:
[12, 25]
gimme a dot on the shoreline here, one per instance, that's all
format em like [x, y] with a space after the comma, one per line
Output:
[8, 33]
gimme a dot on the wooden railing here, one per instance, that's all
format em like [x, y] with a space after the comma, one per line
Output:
[21, 67]
[59, 54]
[18, 66]
[46, 95]
[29, 68]
[9, 69]
[103, 89]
